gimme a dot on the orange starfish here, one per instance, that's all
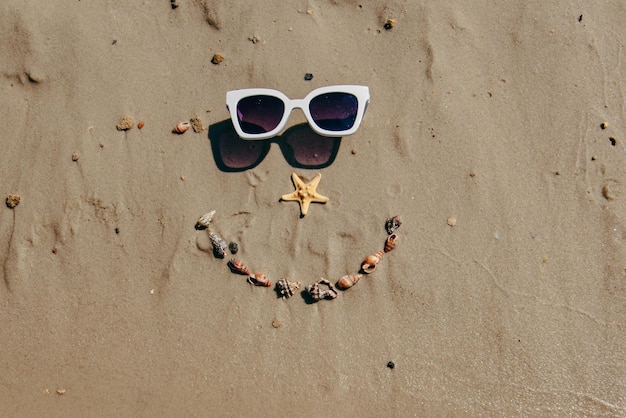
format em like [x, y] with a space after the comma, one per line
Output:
[305, 193]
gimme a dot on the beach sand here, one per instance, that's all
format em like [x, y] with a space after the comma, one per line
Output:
[488, 113]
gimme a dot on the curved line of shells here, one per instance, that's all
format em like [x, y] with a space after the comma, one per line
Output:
[322, 289]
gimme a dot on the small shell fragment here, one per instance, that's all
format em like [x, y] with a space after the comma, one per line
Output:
[219, 245]
[237, 266]
[125, 124]
[181, 128]
[259, 279]
[75, 157]
[348, 281]
[13, 200]
[391, 242]
[287, 289]
[217, 58]
[451, 221]
[371, 261]
[316, 291]
[392, 224]
[205, 220]
[196, 124]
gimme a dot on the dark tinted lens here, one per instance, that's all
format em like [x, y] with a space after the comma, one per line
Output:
[236, 154]
[334, 111]
[259, 114]
[304, 148]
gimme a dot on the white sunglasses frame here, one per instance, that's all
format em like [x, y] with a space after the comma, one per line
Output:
[362, 94]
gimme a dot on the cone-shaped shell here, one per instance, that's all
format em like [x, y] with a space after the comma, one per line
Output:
[286, 288]
[237, 266]
[181, 128]
[219, 245]
[391, 242]
[348, 281]
[205, 220]
[259, 279]
[371, 261]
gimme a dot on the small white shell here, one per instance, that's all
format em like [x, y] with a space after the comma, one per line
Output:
[205, 220]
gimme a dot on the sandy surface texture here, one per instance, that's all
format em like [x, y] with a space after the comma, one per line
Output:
[495, 130]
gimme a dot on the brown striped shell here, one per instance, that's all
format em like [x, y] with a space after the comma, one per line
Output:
[259, 279]
[237, 266]
[317, 292]
[348, 281]
[391, 242]
[181, 128]
[371, 261]
[286, 288]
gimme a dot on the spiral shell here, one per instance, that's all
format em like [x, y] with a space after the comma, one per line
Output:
[348, 281]
[318, 293]
[205, 220]
[371, 261]
[391, 242]
[259, 279]
[181, 128]
[219, 245]
[286, 288]
[392, 224]
[237, 266]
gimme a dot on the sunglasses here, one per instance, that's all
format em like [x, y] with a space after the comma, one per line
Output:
[301, 147]
[331, 111]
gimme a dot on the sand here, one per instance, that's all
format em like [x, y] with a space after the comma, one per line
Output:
[487, 113]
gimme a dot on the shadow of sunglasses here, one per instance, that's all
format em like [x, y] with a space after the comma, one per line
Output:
[300, 145]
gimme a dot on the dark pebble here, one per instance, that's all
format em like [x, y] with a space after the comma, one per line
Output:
[391, 365]
[233, 247]
[308, 76]
[117, 230]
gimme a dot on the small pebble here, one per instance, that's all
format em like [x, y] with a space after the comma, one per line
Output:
[276, 323]
[13, 200]
[451, 221]
[391, 365]
[217, 58]
[140, 124]
[613, 141]
[390, 23]
[308, 76]
[75, 157]
[604, 125]
[60, 391]
[117, 230]
[233, 247]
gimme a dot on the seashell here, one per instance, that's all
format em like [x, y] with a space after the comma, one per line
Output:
[369, 264]
[286, 288]
[219, 245]
[348, 281]
[391, 242]
[237, 266]
[392, 224]
[259, 279]
[318, 293]
[205, 220]
[181, 128]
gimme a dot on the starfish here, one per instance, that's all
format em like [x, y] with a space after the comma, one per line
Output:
[305, 193]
